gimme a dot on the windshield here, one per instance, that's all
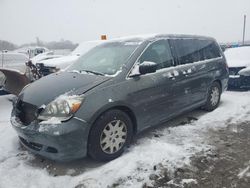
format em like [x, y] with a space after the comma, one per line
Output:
[85, 47]
[106, 59]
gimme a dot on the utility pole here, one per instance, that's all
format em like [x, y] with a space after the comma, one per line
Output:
[244, 29]
[2, 57]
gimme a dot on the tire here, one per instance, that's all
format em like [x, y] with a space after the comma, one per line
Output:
[110, 134]
[213, 97]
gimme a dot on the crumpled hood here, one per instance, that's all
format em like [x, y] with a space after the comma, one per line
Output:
[46, 89]
[60, 62]
[238, 57]
[238, 63]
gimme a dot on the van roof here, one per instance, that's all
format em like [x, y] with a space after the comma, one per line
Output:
[149, 37]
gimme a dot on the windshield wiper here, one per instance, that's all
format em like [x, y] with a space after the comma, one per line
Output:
[93, 72]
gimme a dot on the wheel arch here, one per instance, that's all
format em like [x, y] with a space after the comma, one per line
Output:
[214, 80]
[131, 114]
[124, 108]
[219, 82]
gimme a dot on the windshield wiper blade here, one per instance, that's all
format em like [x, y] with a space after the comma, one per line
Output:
[93, 72]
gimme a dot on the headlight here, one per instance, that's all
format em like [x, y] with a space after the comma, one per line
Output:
[245, 72]
[62, 108]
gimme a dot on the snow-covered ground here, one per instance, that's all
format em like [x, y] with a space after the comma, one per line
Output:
[170, 145]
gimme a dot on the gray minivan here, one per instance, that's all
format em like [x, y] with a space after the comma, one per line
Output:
[115, 91]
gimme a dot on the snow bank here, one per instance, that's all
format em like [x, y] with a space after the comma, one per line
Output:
[171, 147]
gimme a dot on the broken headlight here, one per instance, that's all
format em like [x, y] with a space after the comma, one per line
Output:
[62, 108]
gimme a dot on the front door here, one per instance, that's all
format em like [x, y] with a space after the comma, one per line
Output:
[155, 97]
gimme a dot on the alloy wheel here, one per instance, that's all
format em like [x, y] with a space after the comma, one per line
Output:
[113, 136]
[215, 95]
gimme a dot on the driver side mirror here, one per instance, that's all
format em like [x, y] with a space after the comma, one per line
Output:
[143, 68]
[147, 67]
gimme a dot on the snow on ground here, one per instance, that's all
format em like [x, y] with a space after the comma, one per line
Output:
[168, 145]
[244, 172]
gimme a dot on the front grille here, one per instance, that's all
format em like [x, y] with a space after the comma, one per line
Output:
[235, 70]
[37, 146]
[245, 80]
[25, 112]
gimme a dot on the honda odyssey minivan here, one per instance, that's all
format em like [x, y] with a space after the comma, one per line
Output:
[116, 90]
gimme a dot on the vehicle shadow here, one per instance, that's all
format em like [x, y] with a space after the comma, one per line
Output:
[77, 167]
[238, 89]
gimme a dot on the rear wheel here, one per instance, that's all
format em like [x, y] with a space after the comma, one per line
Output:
[110, 134]
[213, 97]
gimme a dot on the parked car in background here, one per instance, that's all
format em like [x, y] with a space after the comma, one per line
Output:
[31, 51]
[2, 79]
[116, 90]
[12, 62]
[45, 56]
[47, 67]
[40, 65]
[239, 67]
[34, 72]
[14, 74]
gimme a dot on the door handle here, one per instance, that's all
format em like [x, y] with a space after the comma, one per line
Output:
[171, 76]
[187, 72]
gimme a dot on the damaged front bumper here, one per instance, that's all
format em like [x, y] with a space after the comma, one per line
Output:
[61, 142]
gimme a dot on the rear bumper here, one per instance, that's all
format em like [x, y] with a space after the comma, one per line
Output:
[239, 82]
[62, 142]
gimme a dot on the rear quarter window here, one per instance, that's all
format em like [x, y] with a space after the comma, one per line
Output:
[194, 50]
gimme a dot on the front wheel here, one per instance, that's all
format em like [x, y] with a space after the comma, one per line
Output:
[213, 97]
[111, 133]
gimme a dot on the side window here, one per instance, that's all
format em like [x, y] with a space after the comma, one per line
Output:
[158, 52]
[194, 50]
[187, 50]
[209, 50]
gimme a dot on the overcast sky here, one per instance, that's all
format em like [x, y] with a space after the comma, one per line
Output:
[21, 21]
